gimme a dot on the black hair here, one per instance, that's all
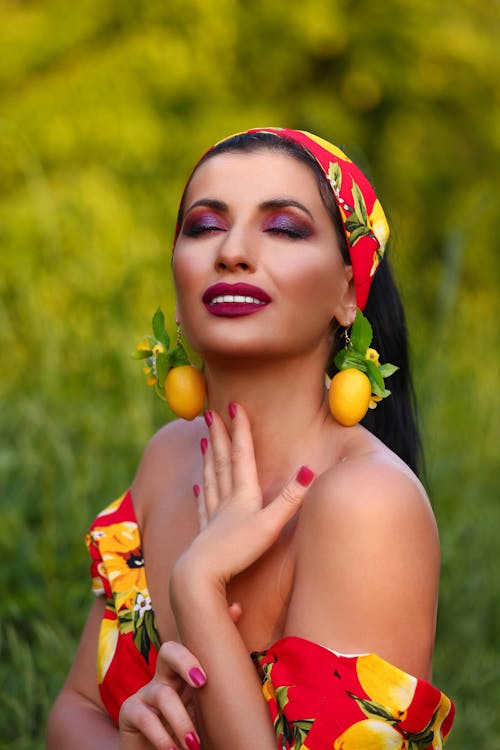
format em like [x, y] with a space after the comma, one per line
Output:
[394, 421]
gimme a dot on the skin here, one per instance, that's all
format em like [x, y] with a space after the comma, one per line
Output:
[351, 562]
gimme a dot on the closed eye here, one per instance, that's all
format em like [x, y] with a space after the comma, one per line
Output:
[200, 223]
[197, 229]
[294, 234]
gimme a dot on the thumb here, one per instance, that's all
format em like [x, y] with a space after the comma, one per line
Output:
[290, 499]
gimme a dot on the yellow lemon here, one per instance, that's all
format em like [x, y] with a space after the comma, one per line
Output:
[349, 396]
[268, 691]
[185, 391]
[378, 225]
[108, 638]
[371, 734]
[386, 684]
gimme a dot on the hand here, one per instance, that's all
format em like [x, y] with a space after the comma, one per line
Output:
[161, 713]
[236, 526]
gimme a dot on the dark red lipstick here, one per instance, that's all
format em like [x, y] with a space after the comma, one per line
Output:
[234, 300]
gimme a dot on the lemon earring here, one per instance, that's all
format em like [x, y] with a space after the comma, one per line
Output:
[359, 384]
[175, 379]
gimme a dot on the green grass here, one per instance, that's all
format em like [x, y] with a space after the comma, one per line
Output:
[74, 424]
[103, 108]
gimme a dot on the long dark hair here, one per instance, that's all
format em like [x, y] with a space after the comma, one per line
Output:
[394, 420]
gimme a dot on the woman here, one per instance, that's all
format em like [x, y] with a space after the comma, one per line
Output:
[316, 548]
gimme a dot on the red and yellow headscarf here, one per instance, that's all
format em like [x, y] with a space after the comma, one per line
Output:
[365, 226]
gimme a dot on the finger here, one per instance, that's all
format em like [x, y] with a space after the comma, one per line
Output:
[221, 451]
[244, 469]
[141, 728]
[176, 716]
[210, 487]
[200, 506]
[217, 465]
[175, 660]
[235, 612]
[288, 502]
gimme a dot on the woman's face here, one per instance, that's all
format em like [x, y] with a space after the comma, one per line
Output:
[256, 265]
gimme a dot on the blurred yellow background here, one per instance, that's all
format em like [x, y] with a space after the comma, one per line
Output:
[104, 107]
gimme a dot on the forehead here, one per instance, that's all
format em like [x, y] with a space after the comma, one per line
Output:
[258, 175]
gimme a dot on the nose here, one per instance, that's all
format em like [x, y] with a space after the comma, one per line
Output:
[234, 253]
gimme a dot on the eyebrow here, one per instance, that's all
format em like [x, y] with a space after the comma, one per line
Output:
[285, 203]
[266, 205]
[209, 203]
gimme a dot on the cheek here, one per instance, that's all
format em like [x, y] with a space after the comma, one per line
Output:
[185, 270]
[319, 282]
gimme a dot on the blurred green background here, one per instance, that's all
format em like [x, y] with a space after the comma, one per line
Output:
[104, 108]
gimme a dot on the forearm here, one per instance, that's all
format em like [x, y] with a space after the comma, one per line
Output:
[76, 724]
[231, 704]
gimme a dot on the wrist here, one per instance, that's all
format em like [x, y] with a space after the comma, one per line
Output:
[192, 583]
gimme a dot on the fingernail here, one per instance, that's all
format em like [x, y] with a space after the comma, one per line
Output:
[197, 676]
[192, 741]
[232, 410]
[305, 476]
[208, 417]
[204, 445]
[196, 490]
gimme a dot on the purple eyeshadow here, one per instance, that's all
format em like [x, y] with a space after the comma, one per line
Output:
[203, 222]
[284, 223]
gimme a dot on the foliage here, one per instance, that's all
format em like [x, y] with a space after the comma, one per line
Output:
[103, 109]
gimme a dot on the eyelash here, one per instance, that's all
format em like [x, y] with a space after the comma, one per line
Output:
[293, 234]
[198, 229]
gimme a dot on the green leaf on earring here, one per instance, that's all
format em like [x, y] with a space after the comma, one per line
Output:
[375, 376]
[141, 354]
[361, 334]
[178, 357]
[159, 329]
[162, 368]
[387, 370]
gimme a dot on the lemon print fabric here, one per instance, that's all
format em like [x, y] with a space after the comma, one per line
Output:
[108, 639]
[319, 699]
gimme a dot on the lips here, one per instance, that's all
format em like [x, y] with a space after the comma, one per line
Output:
[234, 300]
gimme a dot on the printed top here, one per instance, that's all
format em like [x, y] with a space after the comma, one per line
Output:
[317, 699]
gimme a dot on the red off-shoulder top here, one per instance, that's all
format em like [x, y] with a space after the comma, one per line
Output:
[317, 699]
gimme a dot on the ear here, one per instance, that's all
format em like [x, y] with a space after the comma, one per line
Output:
[345, 309]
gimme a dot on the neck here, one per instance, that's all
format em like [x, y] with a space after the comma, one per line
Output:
[285, 402]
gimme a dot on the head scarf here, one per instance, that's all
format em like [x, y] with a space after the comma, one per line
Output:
[365, 226]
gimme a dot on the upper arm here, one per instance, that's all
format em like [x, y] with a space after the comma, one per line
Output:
[82, 677]
[167, 450]
[367, 567]
[78, 718]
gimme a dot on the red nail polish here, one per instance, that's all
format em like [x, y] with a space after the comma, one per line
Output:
[192, 741]
[305, 476]
[196, 490]
[197, 676]
[204, 445]
[208, 417]
[232, 410]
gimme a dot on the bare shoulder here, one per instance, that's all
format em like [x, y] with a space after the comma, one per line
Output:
[367, 563]
[168, 456]
[375, 490]
[374, 508]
